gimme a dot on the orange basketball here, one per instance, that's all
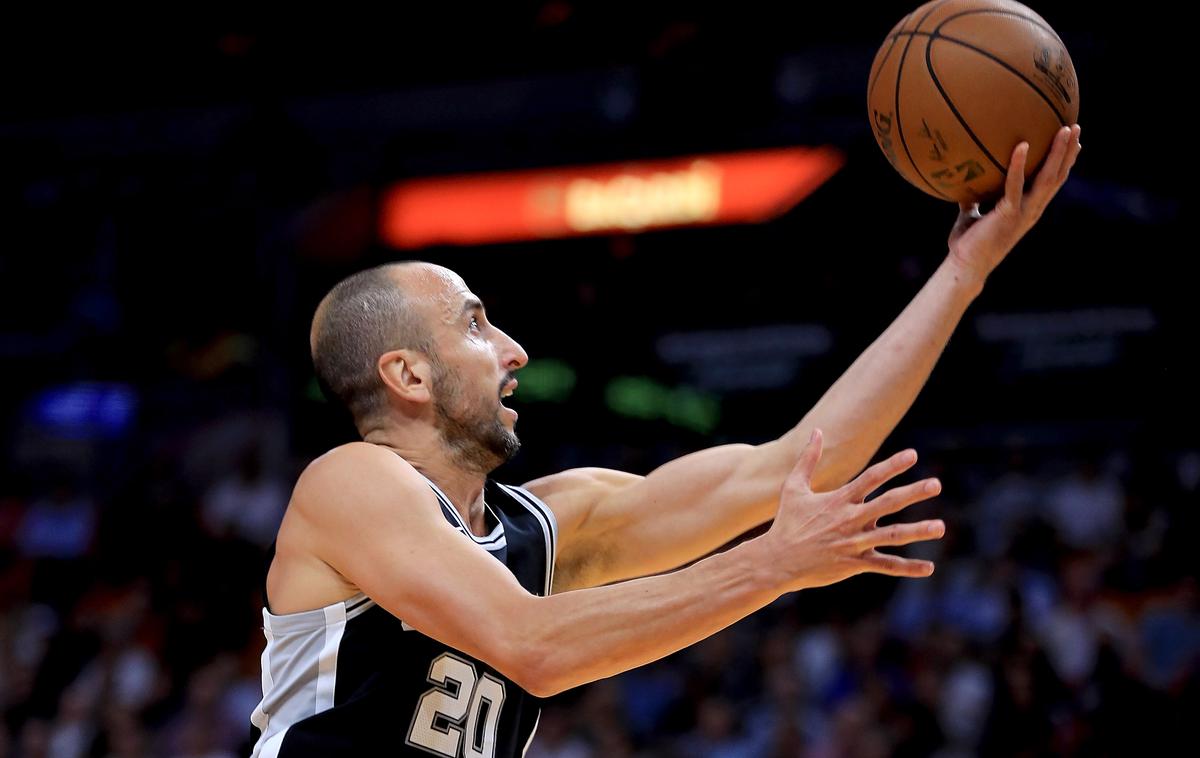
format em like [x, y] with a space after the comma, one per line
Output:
[958, 84]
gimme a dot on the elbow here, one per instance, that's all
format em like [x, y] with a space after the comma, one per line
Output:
[522, 648]
[531, 653]
[533, 669]
[535, 665]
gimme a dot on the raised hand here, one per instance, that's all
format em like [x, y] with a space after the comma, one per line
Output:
[979, 242]
[820, 538]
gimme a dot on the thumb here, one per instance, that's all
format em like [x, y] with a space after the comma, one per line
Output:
[810, 456]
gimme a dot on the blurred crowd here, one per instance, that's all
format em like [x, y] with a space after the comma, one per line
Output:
[1063, 619]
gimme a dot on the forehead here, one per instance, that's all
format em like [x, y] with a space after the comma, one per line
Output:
[445, 292]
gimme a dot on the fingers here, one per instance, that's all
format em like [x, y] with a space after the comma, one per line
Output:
[1064, 149]
[896, 500]
[800, 479]
[1073, 148]
[894, 565]
[896, 535]
[1014, 182]
[1047, 181]
[874, 477]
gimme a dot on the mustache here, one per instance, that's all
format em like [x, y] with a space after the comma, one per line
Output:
[507, 378]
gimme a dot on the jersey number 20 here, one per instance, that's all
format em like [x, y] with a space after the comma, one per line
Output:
[458, 717]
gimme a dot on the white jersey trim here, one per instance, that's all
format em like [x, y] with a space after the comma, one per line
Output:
[335, 626]
[319, 631]
[537, 720]
[495, 539]
[270, 748]
[545, 517]
[259, 718]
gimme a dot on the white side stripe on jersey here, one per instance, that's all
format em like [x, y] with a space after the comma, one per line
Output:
[297, 644]
[335, 626]
[546, 518]
[259, 718]
[270, 748]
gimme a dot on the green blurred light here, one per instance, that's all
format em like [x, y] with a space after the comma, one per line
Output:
[693, 410]
[636, 396]
[643, 398]
[546, 380]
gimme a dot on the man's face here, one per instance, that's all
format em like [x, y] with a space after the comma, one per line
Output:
[474, 425]
[474, 363]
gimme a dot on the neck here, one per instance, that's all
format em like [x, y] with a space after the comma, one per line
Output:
[429, 456]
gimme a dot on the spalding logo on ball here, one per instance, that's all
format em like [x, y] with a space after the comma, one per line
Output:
[958, 84]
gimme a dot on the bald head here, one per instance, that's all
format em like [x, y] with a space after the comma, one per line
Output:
[364, 316]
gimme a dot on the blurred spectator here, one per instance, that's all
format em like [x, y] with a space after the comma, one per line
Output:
[199, 730]
[60, 525]
[74, 728]
[1087, 507]
[1170, 638]
[1020, 719]
[248, 504]
[1004, 505]
[35, 740]
[974, 598]
[556, 737]
[1074, 631]
[124, 735]
[966, 699]
[718, 733]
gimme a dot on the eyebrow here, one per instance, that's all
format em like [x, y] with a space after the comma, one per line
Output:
[472, 304]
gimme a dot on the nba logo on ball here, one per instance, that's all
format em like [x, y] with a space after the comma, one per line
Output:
[958, 84]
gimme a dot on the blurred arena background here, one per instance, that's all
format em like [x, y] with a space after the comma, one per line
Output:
[179, 192]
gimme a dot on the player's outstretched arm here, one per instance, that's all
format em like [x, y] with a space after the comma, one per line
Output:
[614, 525]
[373, 519]
[871, 397]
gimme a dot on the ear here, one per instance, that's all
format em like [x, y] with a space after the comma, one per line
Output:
[407, 374]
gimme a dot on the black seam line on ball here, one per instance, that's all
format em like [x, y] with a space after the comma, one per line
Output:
[980, 11]
[882, 63]
[1061, 119]
[899, 126]
[937, 32]
[950, 103]
[999, 12]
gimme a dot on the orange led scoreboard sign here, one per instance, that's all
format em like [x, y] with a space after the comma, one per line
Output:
[722, 188]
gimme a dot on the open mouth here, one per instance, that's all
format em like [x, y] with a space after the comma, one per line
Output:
[508, 388]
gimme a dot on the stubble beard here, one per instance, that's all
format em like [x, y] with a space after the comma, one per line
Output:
[473, 433]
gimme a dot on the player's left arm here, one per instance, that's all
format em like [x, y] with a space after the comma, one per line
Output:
[614, 525]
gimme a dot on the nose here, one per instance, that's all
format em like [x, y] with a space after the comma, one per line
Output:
[512, 355]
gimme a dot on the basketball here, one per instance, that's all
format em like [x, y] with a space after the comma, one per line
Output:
[958, 84]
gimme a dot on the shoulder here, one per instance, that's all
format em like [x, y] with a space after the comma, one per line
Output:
[577, 481]
[351, 458]
[359, 471]
[572, 496]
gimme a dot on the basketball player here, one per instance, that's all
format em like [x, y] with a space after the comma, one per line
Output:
[417, 607]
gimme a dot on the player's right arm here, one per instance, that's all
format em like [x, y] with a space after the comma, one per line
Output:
[373, 519]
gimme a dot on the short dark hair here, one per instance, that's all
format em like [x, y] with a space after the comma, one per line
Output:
[363, 316]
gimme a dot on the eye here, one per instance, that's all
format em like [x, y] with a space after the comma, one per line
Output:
[474, 324]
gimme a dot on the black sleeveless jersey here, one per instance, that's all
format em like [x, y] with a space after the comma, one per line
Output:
[351, 679]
